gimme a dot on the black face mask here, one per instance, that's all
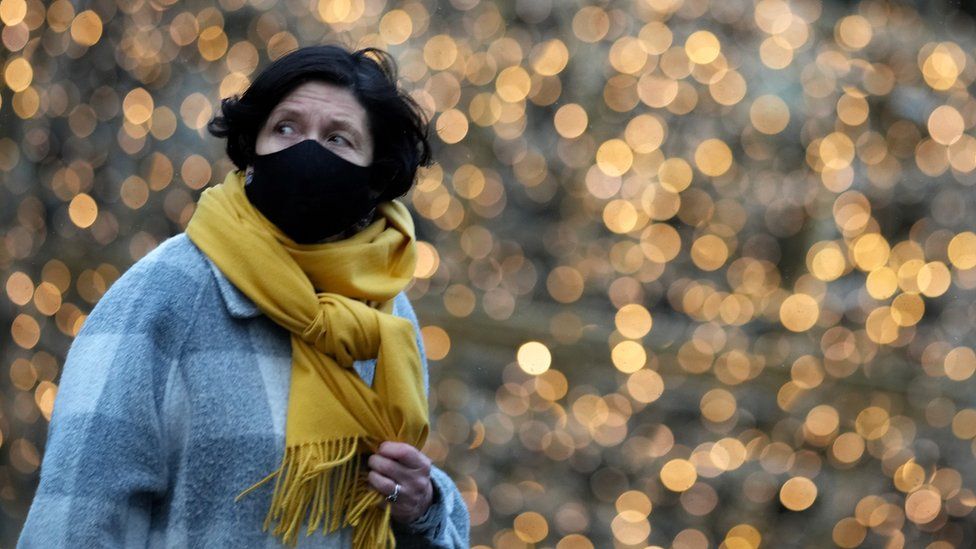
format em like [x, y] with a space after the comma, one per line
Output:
[309, 192]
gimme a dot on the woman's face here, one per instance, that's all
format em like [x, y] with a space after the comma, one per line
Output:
[324, 112]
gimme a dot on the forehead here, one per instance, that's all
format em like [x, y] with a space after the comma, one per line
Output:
[314, 99]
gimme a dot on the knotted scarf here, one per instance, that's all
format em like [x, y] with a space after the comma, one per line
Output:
[336, 299]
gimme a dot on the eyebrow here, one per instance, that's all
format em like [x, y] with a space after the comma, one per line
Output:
[342, 122]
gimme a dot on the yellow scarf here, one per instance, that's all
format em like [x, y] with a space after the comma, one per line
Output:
[336, 299]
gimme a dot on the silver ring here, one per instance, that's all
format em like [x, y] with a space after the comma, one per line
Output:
[396, 493]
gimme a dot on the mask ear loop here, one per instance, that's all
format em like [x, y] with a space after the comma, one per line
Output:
[383, 194]
[366, 221]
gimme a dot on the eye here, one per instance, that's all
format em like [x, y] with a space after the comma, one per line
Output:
[340, 139]
[284, 128]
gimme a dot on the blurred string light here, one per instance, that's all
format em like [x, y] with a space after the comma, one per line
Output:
[693, 274]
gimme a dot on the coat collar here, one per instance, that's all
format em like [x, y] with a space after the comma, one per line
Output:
[238, 304]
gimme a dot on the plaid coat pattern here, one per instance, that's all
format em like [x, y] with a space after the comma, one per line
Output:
[173, 400]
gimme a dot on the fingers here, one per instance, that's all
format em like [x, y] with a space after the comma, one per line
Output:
[387, 467]
[382, 484]
[412, 501]
[397, 462]
[405, 454]
[411, 480]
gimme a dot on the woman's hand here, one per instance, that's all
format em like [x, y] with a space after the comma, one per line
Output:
[400, 463]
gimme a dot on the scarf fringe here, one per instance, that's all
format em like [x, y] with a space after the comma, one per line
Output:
[312, 472]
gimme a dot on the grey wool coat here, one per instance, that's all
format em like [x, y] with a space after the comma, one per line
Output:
[173, 400]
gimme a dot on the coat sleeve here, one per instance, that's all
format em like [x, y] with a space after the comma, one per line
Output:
[446, 525]
[104, 461]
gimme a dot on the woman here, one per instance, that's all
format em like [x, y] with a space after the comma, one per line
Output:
[264, 371]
